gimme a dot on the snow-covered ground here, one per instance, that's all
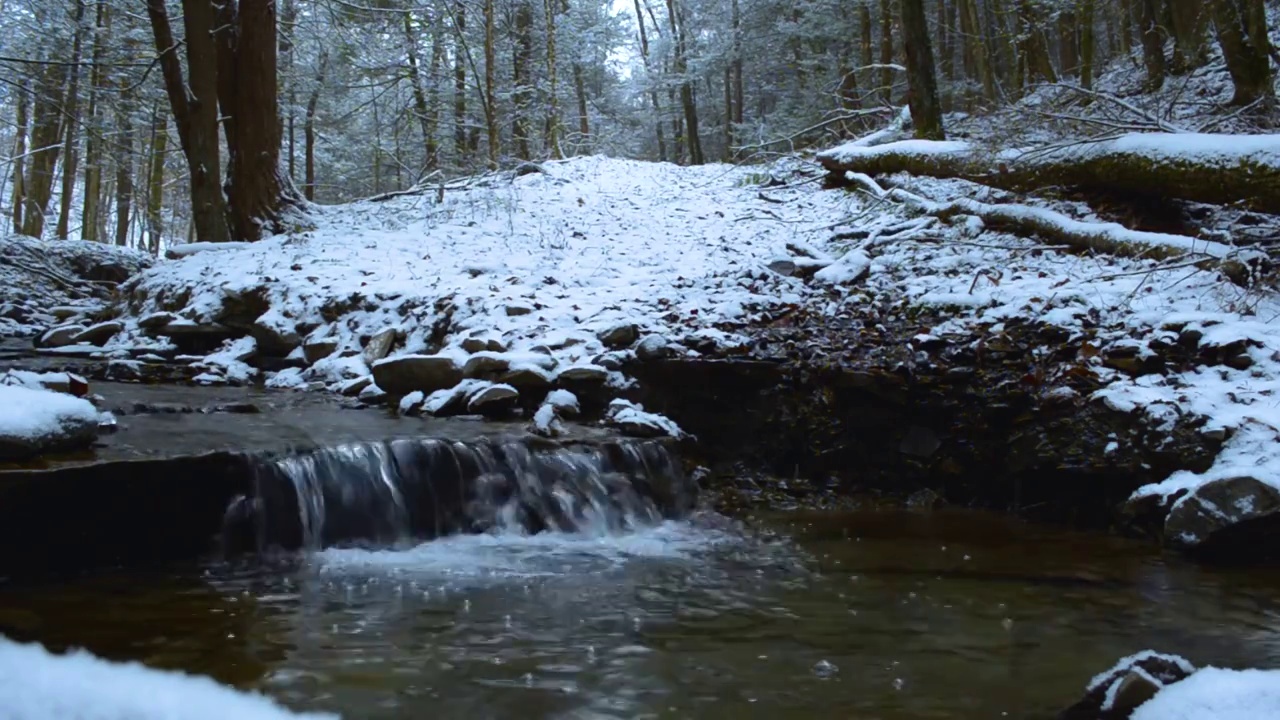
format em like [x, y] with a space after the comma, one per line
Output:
[548, 262]
[38, 685]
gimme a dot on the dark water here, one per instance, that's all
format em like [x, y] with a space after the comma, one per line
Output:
[874, 615]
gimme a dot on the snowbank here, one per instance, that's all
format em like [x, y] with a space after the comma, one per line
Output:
[38, 685]
[1217, 694]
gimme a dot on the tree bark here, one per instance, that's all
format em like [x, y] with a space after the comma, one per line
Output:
[459, 84]
[72, 134]
[688, 100]
[522, 93]
[886, 51]
[421, 110]
[309, 130]
[584, 118]
[1242, 34]
[1088, 43]
[1152, 43]
[93, 133]
[195, 110]
[155, 181]
[1189, 24]
[653, 92]
[490, 93]
[553, 90]
[21, 129]
[926, 112]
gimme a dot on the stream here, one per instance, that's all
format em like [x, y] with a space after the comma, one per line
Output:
[889, 615]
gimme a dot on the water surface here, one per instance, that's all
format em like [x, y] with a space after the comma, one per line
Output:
[858, 615]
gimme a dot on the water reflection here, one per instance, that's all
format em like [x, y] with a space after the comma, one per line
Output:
[946, 615]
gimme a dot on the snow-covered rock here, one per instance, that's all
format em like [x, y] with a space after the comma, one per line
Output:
[1131, 682]
[60, 336]
[1217, 694]
[620, 335]
[653, 347]
[408, 373]
[585, 373]
[38, 685]
[379, 345]
[632, 419]
[493, 400]
[565, 402]
[39, 421]
[848, 269]
[98, 334]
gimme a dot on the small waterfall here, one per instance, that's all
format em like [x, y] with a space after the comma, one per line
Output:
[389, 493]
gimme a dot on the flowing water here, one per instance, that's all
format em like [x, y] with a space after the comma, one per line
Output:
[615, 612]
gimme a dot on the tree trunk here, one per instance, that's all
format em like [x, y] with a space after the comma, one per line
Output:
[1152, 42]
[553, 90]
[1241, 30]
[309, 130]
[886, 51]
[288, 20]
[46, 142]
[946, 61]
[124, 150]
[420, 109]
[433, 95]
[926, 112]
[978, 63]
[72, 134]
[735, 65]
[155, 181]
[522, 94]
[1087, 43]
[1189, 23]
[93, 141]
[653, 92]
[584, 119]
[260, 194]
[490, 94]
[195, 110]
[1033, 47]
[459, 84]
[1068, 43]
[20, 154]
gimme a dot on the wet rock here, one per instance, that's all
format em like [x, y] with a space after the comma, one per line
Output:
[353, 388]
[372, 395]
[653, 347]
[493, 401]
[411, 404]
[1226, 516]
[407, 373]
[155, 321]
[98, 334]
[318, 350]
[379, 346]
[527, 378]
[1116, 693]
[65, 424]
[60, 336]
[619, 336]
[485, 364]
[920, 442]
[582, 374]
[924, 499]
[613, 360]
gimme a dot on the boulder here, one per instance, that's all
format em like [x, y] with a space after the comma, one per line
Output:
[485, 364]
[619, 336]
[615, 360]
[372, 395]
[318, 350]
[1116, 693]
[518, 309]
[653, 347]
[60, 336]
[407, 373]
[155, 321]
[353, 388]
[412, 403]
[277, 336]
[582, 374]
[34, 422]
[526, 378]
[493, 401]
[379, 346]
[565, 402]
[98, 334]
[1221, 513]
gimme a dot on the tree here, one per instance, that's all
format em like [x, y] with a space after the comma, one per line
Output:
[1242, 32]
[926, 113]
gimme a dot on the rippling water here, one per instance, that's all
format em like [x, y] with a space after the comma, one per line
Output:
[872, 615]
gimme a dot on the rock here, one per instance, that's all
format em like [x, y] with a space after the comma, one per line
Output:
[277, 336]
[924, 499]
[412, 403]
[60, 336]
[631, 419]
[615, 360]
[485, 364]
[653, 347]
[66, 312]
[518, 309]
[1239, 362]
[98, 334]
[379, 346]
[318, 350]
[475, 344]
[582, 374]
[565, 402]
[407, 373]
[619, 336]
[493, 401]
[527, 378]
[372, 395]
[1115, 694]
[546, 422]
[529, 168]
[42, 421]
[920, 442]
[1204, 519]
[155, 321]
[353, 388]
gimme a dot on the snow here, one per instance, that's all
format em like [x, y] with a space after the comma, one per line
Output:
[31, 414]
[626, 414]
[849, 268]
[181, 251]
[1217, 694]
[1224, 149]
[38, 685]
[856, 150]
[1128, 663]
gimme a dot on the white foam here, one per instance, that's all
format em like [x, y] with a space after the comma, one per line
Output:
[515, 556]
[38, 685]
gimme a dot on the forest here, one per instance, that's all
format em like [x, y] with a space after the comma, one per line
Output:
[133, 125]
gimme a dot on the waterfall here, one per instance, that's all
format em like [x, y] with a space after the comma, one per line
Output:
[401, 491]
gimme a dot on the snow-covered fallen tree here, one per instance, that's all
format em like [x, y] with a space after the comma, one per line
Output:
[1221, 169]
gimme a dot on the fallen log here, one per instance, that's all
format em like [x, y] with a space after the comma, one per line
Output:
[1217, 169]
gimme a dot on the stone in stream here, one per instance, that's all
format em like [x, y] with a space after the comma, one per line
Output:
[1116, 693]
[619, 336]
[1236, 514]
[653, 347]
[42, 421]
[98, 334]
[352, 388]
[582, 374]
[407, 373]
[493, 401]
[527, 378]
[60, 336]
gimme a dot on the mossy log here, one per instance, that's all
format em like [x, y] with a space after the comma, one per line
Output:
[1217, 169]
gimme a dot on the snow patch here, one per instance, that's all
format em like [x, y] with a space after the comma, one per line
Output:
[1217, 694]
